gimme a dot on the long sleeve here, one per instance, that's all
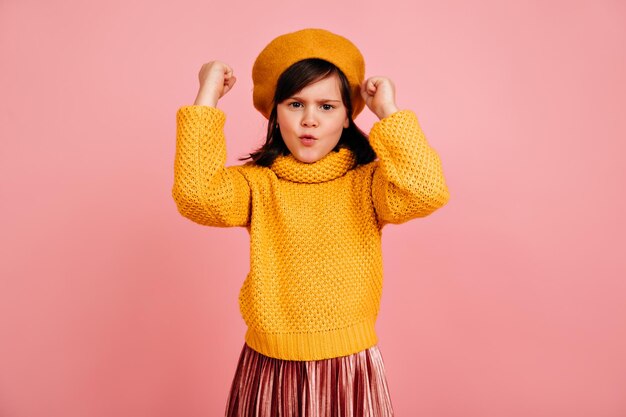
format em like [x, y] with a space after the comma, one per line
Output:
[408, 181]
[205, 191]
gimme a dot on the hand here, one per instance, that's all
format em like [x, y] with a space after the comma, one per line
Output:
[379, 94]
[216, 79]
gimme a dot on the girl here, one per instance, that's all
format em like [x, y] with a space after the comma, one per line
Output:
[314, 200]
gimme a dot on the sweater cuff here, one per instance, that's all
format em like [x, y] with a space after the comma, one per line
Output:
[202, 112]
[392, 123]
[394, 117]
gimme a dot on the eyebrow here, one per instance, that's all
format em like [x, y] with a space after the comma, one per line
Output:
[326, 100]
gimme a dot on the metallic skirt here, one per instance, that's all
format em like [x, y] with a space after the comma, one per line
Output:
[347, 386]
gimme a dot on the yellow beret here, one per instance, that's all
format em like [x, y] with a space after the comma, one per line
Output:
[290, 48]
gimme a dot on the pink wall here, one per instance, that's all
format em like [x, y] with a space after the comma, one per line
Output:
[510, 301]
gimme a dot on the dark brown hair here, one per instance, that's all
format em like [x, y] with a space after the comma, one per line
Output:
[290, 82]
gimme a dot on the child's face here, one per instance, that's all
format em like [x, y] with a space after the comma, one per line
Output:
[318, 111]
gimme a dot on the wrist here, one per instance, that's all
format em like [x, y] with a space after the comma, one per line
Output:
[387, 110]
[206, 98]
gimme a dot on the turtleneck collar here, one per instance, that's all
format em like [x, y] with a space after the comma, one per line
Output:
[331, 166]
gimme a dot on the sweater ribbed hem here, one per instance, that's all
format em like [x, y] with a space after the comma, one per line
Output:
[314, 346]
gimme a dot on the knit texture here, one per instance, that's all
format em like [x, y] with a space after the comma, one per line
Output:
[333, 165]
[316, 273]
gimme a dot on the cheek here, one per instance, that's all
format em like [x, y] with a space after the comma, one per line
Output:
[283, 119]
[285, 126]
[341, 122]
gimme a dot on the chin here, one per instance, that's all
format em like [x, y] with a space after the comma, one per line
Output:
[307, 158]
[307, 155]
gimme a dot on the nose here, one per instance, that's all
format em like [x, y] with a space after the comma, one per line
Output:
[309, 119]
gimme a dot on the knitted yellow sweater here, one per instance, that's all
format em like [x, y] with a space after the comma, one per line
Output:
[315, 282]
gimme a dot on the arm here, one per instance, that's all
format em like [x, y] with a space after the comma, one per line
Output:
[205, 191]
[408, 180]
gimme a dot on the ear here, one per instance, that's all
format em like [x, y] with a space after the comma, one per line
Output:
[346, 123]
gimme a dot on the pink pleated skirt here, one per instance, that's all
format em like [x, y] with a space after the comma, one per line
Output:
[347, 386]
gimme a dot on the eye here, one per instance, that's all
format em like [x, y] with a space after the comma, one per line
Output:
[327, 106]
[295, 104]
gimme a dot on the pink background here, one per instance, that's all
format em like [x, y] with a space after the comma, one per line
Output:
[510, 301]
